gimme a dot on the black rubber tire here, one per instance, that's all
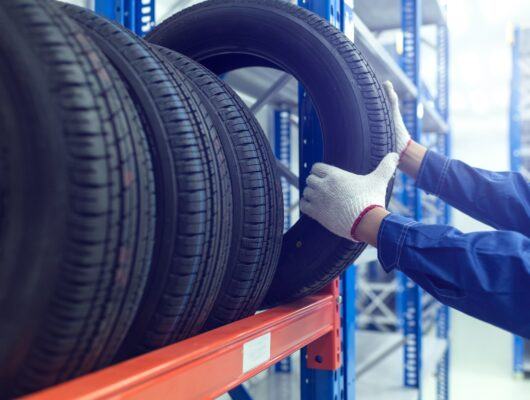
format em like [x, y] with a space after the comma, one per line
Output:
[84, 281]
[256, 190]
[193, 190]
[225, 35]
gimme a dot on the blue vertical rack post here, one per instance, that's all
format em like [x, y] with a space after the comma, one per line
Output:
[348, 333]
[282, 150]
[317, 384]
[411, 311]
[136, 15]
[444, 140]
[515, 161]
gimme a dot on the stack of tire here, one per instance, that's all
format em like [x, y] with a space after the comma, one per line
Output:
[139, 198]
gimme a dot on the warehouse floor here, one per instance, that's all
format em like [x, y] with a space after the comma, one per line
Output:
[481, 362]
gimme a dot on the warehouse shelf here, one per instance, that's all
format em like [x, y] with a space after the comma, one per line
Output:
[221, 360]
[387, 68]
[255, 82]
[520, 150]
[384, 379]
[370, 11]
[398, 308]
[210, 364]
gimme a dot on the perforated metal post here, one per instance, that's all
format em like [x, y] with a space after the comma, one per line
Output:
[444, 145]
[136, 15]
[412, 110]
[348, 332]
[319, 384]
[282, 150]
[515, 160]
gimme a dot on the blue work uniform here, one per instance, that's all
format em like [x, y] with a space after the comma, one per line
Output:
[483, 274]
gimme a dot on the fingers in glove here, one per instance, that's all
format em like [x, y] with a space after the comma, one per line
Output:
[309, 194]
[313, 181]
[386, 168]
[307, 208]
[320, 169]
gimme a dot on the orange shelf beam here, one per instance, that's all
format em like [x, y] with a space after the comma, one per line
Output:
[210, 364]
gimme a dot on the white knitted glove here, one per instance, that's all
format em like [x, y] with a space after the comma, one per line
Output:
[402, 134]
[339, 199]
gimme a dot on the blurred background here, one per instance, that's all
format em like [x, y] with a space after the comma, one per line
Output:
[481, 34]
[481, 69]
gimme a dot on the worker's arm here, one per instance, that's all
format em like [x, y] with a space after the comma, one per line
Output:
[483, 274]
[486, 274]
[499, 199]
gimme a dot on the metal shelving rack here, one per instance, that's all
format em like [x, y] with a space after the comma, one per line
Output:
[337, 361]
[398, 306]
[520, 149]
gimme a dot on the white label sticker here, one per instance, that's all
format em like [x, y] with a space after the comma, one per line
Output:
[256, 352]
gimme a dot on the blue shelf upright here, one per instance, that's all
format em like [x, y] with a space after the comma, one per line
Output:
[318, 384]
[282, 151]
[443, 146]
[136, 15]
[411, 297]
[520, 150]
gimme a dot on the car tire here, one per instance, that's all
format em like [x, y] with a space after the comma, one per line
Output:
[258, 203]
[193, 190]
[348, 99]
[75, 249]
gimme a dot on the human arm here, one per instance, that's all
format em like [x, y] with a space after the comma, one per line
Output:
[483, 274]
[499, 199]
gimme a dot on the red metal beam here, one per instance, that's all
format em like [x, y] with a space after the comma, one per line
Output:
[210, 364]
[324, 353]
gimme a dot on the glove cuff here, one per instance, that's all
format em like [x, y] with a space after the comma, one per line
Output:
[359, 219]
[404, 150]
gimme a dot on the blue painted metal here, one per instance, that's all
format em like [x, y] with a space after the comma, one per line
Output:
[282, 150]
[310, 145]
[444, 145]
[410, 62]
[518, 355]
[442, 369]
[348, 332]
[136, 15]
[515, 106]
[310, 141]
[239, 393]
[515, 160]
[317, 384]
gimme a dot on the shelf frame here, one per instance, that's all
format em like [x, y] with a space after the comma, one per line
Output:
[136, 15]
[210, 364]
[519, 137]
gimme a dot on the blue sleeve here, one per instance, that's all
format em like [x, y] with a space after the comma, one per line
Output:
[499, 199]
[483, 274]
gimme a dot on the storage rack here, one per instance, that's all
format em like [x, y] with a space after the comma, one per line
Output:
[520, 150]
[322, 326]
[427, 118]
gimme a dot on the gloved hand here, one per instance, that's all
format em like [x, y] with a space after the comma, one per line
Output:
[403, 138]
[339, 199]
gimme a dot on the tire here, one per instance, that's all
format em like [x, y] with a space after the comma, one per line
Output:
[356, 125]
[258, 202]
[193, 190]
[75, 279]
